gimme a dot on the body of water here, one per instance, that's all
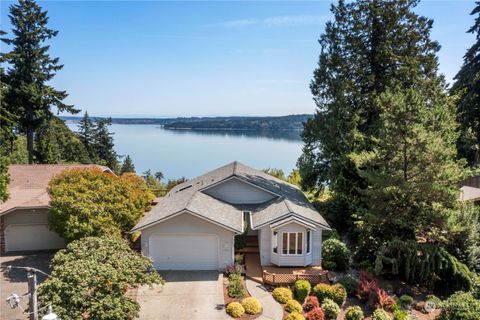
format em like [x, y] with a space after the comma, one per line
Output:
[179, 153]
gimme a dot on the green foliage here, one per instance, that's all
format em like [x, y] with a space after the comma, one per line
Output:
[235, 286]
[88, 202]
[381, 314]
[334, 250]
[334, 292]
[350, 284]
[354, 313]
[282, 295]
[86, 131]
[31, 69]
[460, 306]
[251, 305]
[293, 306]
[476, 286]
[4, 179]
[154, 183]
[422, 263]
[330, 308]
[127, 165]
[400, 315]
[277, 173]
[91, 277]
[406, 299]
[102, 144]
[235, 309]
[18, 153]
[294, 316]
[295, 178]
[466, 87]
[302, 289]
[433, 298]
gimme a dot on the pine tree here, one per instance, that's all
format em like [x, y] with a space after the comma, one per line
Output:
[127, 165]
[30, 69]
[368, 47]
[467, 87]
[103, 145]
[86, 132]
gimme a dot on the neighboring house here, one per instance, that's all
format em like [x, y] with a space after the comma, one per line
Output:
[24, 216]
[193, 226]
[470, 189]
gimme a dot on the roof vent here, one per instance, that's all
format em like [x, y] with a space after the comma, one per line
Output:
[184, 188]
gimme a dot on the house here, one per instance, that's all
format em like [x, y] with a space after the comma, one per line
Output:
[470, 190]
[194, 225]
[24, 216]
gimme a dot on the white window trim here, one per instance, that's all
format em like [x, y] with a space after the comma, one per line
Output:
[296, 244]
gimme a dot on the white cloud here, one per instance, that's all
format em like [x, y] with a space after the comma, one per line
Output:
[279, 21]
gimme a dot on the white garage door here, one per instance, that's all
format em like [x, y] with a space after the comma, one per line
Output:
[28, 237]
[184, 251]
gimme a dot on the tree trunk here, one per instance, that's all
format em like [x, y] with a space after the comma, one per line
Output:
[30, 145]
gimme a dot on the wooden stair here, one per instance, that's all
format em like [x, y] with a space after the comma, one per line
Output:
[252, 245]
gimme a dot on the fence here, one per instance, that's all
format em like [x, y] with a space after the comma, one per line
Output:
[289, 278]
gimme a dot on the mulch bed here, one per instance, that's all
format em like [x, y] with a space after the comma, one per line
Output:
[227, 299]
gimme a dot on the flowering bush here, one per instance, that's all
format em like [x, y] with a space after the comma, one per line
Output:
[234, 269]
[251, 305]
[235, 309]
[316, 314]
[310, 303]
[293, 306]
[282, 295]
[336, 255]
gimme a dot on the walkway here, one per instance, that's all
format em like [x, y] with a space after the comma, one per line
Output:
[272, 310]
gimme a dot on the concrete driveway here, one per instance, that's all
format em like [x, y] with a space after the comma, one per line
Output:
[15, 281]
[185, 295]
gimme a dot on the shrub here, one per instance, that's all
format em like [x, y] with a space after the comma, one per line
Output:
[90, 276]
[234, 277]
[331, 309]
[234, 269]
[302, 289]
[310, 303]
[251, 305]
[238, 258]
[406, 299]
[235, 309]
[336, 292]
[316, 314]
[434, 299]
[367, 286]
[282, 295]
[400, 315]
[354, 313]
[294, 316]
[350, 284]
[336, 251]
[293, 306]
[381, 314]
[235, 289]
[460, 306]
[382, 300]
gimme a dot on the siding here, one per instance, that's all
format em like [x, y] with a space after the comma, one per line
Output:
[236, 191]
[291, 260]
[317, 247]
[265, 246]
[187, 223]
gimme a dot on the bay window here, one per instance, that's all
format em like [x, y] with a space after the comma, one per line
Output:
[292, 243]
[275, 241]
[309, 239]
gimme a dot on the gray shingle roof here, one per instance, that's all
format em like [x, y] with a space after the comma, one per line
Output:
[189, 196]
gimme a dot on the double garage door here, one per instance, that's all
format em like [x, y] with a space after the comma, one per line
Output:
[184, 251]
[30, 237]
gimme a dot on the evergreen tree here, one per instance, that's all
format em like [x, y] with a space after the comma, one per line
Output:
[86, 131]
[30, 69]
[103, 144]
[4, 179]
[127, 165]
[467, 87]
[368, 47]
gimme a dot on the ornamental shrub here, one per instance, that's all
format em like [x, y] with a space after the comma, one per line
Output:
[335, 292]
[354, 313]
[381, 314]
[310, 303]
[336, 251]
[400, 315]
[406, 300]
[381, 299]
[294, 316]
[282, 295]
[350, 284]
[302, 289]
[316, 314]
[367, 286]
[434, 299]
[460, 306]
[235, 289]
[235, 309]
[293, 306]
[90, 276]
[331, 309]
[252, 305]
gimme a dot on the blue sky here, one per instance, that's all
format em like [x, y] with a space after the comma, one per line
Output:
[200, 58]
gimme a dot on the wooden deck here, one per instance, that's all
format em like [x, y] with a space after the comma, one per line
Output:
[281, 275]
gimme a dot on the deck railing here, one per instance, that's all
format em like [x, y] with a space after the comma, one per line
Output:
[276, 279]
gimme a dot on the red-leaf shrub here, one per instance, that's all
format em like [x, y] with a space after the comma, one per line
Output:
[383, 300]
[310, 303]
[367, 286]
[315, 314]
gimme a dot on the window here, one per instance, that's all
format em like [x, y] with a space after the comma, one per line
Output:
[275, 241]
[308, 241]
[292, 243]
